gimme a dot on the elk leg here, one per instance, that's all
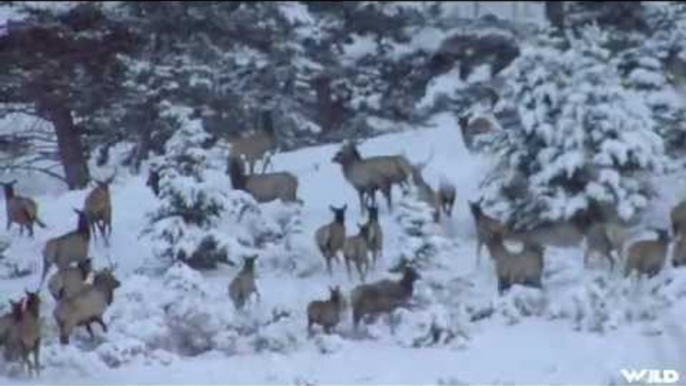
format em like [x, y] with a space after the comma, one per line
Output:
[90, 330]
[358, 265]
[36, 353]
[361, 196]
[347, 267]
[389, 197]
[328, 266]
[102, 324]
[503, 285]
[478, 251]
[608, 255]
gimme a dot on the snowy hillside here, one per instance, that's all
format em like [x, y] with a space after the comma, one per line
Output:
[180, 327]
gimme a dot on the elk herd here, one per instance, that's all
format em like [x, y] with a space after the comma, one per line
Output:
[82, 301]
[78, 301]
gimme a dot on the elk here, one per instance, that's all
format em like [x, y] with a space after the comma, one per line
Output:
[485, 225]
[326, 313]
[263, 187]
[382, 296]
[244, 284]
[372, 174]
[647, 256]
[20, 210]
[98, 207]
[7, 323]
[470, 129]
[446, 197]
[524, 268]
[355, 249]
[87, 306]
[25, 335]
[374, 234]
[255, 146]
[330, 237]
[425, 192]
[67, 248]
[67, 282]
[599, 242]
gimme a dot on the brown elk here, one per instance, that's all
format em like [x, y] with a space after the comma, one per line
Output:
[326, 313]
[98, 207]
[330, 237]
[255, 146]
[87, 306]
[68, 248]
[20, 210]
[25, 335]
[383, 296]
[263, 187]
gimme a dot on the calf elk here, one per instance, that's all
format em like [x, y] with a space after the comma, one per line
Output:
[244, 285]
[326, 313]
[330, 237]
[20, 210]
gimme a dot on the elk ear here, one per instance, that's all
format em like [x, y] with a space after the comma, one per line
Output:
[345, 207]
[12, 183]
[332, 208]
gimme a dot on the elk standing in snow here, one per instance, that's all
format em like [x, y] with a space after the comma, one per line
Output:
[20, 210]
[330, 237]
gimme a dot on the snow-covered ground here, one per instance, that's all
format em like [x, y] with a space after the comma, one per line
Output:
[584, 327]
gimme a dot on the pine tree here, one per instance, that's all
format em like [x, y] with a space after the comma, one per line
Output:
[185, 223]
[584, 140]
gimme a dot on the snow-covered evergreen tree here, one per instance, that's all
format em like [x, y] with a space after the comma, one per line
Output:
[184, 225]
[584, 140]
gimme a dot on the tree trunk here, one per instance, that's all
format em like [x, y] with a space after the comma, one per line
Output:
[555, 13]
[322, 87]
[70, 147]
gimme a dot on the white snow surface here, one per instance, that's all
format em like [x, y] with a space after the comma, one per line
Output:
[180, 327]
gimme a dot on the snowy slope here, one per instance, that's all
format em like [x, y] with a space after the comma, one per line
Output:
[559, 335]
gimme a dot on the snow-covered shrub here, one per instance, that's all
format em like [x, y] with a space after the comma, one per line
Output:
[433, 326]
[329, 344]
[420, 238]
[521, 302]
[585, 139]
[182, 314]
